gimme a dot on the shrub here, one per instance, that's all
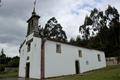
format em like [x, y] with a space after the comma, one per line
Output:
[2, 68]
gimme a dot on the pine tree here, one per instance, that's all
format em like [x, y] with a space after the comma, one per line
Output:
[2, 54]
[102, 29]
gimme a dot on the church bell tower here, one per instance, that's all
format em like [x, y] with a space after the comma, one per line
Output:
[33, 22]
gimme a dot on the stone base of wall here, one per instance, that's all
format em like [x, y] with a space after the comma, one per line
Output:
[9, 69]
[112, 61]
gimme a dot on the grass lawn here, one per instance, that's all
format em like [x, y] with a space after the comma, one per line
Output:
[109, 73]
[9, 74]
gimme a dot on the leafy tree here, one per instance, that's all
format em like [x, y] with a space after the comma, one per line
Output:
[102, 30]
[2, 57]
[2, 67]
[8, 61]
[53, 30]
[14, 62]
[2, 54]
[79, 42]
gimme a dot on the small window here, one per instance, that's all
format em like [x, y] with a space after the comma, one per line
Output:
[28, 47]
[99, 58]
[58, 48]
[28, 58]
[28, 43]
[80, 53]
[87, 63]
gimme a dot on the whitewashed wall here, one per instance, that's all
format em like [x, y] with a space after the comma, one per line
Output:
[57, 64]
[35, 58]
[23, 56]
[92, 58]
[22, 62]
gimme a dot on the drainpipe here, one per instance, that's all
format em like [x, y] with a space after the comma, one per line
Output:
[43, 40]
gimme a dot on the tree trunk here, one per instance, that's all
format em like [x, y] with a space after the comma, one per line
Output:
[42, 59]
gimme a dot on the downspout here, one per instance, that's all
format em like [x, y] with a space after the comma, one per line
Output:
[43, 40]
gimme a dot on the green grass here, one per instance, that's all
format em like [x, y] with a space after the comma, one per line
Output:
[9, 74]
[109, 73]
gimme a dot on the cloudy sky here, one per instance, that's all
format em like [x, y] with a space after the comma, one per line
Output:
[69, 13]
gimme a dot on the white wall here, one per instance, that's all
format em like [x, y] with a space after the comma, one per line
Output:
[23, 56]
[57, 64]
[35, 58]
[22, 62]
[92, 58]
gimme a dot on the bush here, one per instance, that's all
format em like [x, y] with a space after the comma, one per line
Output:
[2, 68]
[14, 62]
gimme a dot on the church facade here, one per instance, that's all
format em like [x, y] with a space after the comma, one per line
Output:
[60, 58]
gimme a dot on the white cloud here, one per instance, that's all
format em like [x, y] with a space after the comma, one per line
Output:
[10, 50]
[69, 13]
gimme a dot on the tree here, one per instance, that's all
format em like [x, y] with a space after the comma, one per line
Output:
[102, 29]
[14, 62]
[2, 54]
[53, 30]
[72, 41]
[2, 67]
[2, 57]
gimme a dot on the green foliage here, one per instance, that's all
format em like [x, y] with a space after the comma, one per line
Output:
[79, 42]
[2, 54]
[9, 74]
[72, 41]
[2, 57]
[102, 31]
[14, 62]
[53, 30]
[8, 61]
[2, 67]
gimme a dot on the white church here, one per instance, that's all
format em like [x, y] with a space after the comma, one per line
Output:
[59, 58]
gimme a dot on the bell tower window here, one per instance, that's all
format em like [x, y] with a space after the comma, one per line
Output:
[28, 43]
[28, 47]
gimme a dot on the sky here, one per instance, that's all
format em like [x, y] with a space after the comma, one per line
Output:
[69, 13]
